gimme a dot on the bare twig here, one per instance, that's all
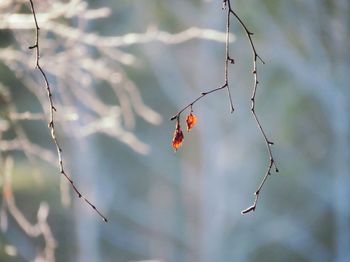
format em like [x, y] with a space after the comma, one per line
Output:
[51, 124]
[227, 6]
[268, 143]
[228, 60]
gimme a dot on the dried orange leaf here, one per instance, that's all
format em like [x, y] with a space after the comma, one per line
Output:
[191, 121]
[178, 137]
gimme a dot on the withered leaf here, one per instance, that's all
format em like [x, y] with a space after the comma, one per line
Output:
[191, 121]
[178, 137]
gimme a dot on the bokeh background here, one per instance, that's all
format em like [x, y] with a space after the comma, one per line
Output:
[182, 206]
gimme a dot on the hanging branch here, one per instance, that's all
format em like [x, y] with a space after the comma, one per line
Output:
[228, 60]
[177, 142]
[191, 118]
[268, 142]
[51, 124]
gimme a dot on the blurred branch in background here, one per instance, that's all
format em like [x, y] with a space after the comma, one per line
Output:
[40, 228]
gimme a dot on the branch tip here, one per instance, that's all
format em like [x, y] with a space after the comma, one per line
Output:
[249, 209]
[52, 109]
[261, 60]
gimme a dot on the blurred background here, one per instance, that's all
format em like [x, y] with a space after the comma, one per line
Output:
[119, 70]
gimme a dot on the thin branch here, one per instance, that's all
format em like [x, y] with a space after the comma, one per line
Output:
[15, 116]
[228, 60]
[51, 124]
[190, 105]
[272, 162]
[30, 116]
[28, 148]
[227, 6]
